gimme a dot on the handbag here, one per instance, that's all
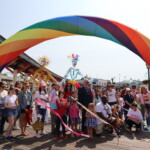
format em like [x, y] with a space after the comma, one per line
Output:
[38, 125]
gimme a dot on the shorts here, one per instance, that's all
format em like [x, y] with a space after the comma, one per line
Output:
[74, 120]
[99, 128]
[112, 103]
[11, 112]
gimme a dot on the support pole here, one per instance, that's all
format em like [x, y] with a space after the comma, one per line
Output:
[14, 76]
[26, 77]
[0, 77]
[148, 77]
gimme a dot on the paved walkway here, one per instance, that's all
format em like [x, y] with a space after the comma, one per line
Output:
[141, 141]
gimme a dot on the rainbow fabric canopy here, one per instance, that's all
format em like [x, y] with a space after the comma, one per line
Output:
[75, 25]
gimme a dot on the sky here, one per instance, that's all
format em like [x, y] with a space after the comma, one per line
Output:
[99, 58]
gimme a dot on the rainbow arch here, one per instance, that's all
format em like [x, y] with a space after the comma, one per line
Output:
[75, 25]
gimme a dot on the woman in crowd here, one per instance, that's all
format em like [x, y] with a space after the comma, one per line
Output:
[67, 90]
[134, 117]
[3, 94]
[111, 95]
[17, 87]
[42, 96]
[26, 104]
[145, 101]
[97, 97]
[11, 103]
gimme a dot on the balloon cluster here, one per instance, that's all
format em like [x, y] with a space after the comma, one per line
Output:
[74, 58]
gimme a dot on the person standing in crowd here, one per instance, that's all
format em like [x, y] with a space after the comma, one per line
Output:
[128, 99]
[18, 86]
[42, 96]
[85, 97]
[26, 104]
[123, 91]
[145, 101]
[74, 114]
[120, 102]
[67, 90]
[62, 105]
[134, 117]
[90, 122]
[53, 97]
[92, 90]
[134, 91]
[103, 110]
[111, 95]
[11, 104]
[3, 94]
[97, 97]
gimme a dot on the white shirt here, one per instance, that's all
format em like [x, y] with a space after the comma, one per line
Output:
[137, 115]
[104, 109]
[111, 96]
[41, 96]
[11, 100]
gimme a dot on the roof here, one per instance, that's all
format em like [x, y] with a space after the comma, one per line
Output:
[25, 64]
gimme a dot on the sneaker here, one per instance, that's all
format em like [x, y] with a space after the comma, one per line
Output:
[43, 133]
[58, 137]
[37, 136]
[73, 136]
[16, 128]
[8, 138]
[65, 136]
[12, 137]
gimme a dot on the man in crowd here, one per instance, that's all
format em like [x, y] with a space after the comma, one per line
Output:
[103, 110]
[85, 97]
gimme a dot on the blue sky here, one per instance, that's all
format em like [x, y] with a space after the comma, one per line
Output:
[98, 57]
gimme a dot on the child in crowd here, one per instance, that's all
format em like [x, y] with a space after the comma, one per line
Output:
[90, 120]
[117, 121]
[62, 105]
[74, 114]
[11, 104]
[120, 102]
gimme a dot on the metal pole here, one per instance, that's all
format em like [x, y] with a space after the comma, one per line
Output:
[148, 77]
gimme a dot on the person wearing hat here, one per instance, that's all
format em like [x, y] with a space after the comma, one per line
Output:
[134, 116]
[42, 96]
[128, 99]
[26, 104]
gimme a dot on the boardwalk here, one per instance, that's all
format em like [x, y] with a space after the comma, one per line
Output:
[127, 141]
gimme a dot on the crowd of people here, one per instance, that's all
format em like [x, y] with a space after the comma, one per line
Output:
[108, 108]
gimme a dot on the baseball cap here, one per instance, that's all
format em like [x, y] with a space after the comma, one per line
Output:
[128, 89]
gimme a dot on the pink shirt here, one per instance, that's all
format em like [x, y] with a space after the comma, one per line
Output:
[74, 111]
[145, 98]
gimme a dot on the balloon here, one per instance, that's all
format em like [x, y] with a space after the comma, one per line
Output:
[75, 25]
